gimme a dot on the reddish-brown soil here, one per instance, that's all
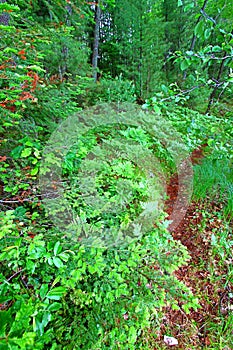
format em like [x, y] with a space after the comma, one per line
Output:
[194, 231]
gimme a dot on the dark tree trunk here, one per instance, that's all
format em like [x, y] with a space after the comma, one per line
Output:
[194, 39]
[95, 54]
[218, 83]
[140, 51]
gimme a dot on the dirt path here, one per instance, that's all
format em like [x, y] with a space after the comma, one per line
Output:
[194, 231]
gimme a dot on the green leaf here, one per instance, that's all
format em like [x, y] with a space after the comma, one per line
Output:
[157, 109]
[15, 153]
[184, 64]
[57, 248]
[26, 152]
[207, 33]
[57, 279]
[56, 293]
[36, 68]
[199, 29]
[216, 48]
[37, 153]
[28, 143]
[54, 306]
[64, 256]
[91, 269]
[50, 261]
[7, 124]
[188, 7]
[34, 171]
[57, 262]
[132, 335]
[43, 290]
[31, 266]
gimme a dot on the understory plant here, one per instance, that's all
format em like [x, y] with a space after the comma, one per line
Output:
[213, 180]
[58, 293]
[102, 275]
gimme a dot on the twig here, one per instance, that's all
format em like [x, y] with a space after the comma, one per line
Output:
[182, 92]
[14, 275]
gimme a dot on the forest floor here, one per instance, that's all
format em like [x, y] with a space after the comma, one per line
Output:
[203, 274]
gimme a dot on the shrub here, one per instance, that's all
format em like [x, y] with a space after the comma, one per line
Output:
[59, 290]
[108, 90]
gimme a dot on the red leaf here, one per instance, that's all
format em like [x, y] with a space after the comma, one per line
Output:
[25, 96]
[21, 52]
[2, 159]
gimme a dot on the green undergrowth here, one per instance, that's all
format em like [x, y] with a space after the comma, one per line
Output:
[58, 293]
[70, 286]
[219, 327]
[222, 243]
[213, 179]
[99, 280]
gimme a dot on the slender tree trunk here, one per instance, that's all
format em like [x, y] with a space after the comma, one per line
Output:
[198, 20]
[148, 80]
[166, 38]
[140, 56]
[95, 54]
[218, 83]
[213, 93]
[194, 39]
[63, 69]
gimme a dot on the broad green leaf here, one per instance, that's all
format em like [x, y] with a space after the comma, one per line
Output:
[57, 262]
[157, 109]
[216, 48]
[57, 248]
[15, 153]
[54, 306]
[207, 33]
[28, 143]
[91, 269]
[56, 293]
[36, 153]
[132, 335]
[57, 279]
[7, 124]
[184, 64]
[34, 171]
[64, 256]
[50, 261]
[43, 290]
[199, 29]
[36, 68]
[26, 152]
[189, 7]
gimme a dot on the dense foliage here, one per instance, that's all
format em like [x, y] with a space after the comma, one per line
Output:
[86, 262]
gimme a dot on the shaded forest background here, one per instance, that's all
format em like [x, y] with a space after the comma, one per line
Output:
[169, 50]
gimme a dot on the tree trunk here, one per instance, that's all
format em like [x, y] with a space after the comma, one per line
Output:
[140, 55]
[218, 83]
[213, 93]
[193, 42]
[63, 69]
[95, 54]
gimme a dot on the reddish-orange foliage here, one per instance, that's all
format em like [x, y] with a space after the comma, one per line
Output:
[2, 158]
[25, 95]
